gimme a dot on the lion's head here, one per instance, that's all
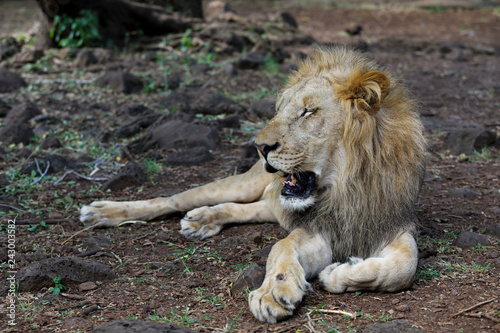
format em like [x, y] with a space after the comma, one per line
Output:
[345, 134]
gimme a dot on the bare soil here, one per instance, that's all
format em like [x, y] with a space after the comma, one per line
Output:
[165, 277]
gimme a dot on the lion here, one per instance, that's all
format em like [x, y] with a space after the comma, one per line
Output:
[341, 166]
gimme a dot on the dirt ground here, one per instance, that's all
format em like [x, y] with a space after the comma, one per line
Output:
[450, 59]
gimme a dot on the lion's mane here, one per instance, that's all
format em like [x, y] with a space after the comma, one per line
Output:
[370, 198]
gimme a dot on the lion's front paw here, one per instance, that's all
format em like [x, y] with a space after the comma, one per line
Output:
[278, 296]
[106, 213]
[200, 222]
[335, 278]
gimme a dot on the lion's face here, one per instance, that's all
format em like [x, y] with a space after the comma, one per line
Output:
[300, 142]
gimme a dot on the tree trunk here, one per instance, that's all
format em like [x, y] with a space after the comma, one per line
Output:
[118, 17]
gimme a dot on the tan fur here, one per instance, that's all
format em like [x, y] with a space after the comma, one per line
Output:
[354, 126]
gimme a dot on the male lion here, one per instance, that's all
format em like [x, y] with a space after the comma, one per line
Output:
[342, 164]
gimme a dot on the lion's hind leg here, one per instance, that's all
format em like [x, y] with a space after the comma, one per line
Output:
[207, 221]
[393, 269]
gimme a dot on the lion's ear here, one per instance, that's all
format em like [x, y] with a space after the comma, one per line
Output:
[365, 90]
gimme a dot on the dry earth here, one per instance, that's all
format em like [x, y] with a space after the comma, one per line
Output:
[450, 59]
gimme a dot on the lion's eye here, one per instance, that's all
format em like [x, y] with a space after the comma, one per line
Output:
[307, 111]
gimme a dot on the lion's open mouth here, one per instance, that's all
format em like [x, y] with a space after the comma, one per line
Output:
[300, 184]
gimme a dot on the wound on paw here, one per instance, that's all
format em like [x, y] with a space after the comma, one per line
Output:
[280, 277]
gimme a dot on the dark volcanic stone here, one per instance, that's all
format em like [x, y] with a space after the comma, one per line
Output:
[252, 277]
[484, 140]
[264, 108]
[40, 274]
[138, 326]
[22, 113]
[51, 142]
[4, 108]
[251, 60]
[120, 81]
[56, 163]
[176, 134]
[131, 175]
[16, 133]
[189, 157]
[395, 326]
[199, 100]
[468, 239]
[10, 81]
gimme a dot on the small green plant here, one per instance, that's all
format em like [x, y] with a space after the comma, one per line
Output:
[76, 32]
[58, 286]
[36, 227]
[427, 273]
[186, 41]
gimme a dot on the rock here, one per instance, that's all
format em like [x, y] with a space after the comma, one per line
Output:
[224, 33]
[85, 58]
[468, 239]
[8, 47]
[251, 60]
[461, 140]
[233, 121]
[176, 134]
[289, 19]
[264, 108]
[270, 47]
[120, 81]
[22, 113]
[16, 133]
[395, 326]
[51, 142]
[32, 257]
[10, 81]
[189, 157]
[96, 243]
[484, 140]
[4, 108]
[40, 274]
[252, 277]
[56, 163]
[174, 80]
[131, 175]
[27, 56]
[3, 183]
[135, 125]
[86, 286]
[135, 110]
[462, 193]
[263, 253]
[76, 324]
[199, 100]
[139, 326]
[493, 230]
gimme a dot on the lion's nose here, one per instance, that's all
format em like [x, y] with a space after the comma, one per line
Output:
[265, 149]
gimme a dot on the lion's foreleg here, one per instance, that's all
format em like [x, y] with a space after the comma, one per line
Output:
[247, 187]
[391, 270]
[208, 221]
[291, 261]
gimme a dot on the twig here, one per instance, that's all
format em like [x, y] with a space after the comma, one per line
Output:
[23, 222]
[349, 314]
[490, 317]
[79, 175]
[73, 296]
[97, 225]
[40, 171]
[13, 207]
[309, 323]
[473, 307]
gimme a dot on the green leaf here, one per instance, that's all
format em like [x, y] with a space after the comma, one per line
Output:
[32, 228]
